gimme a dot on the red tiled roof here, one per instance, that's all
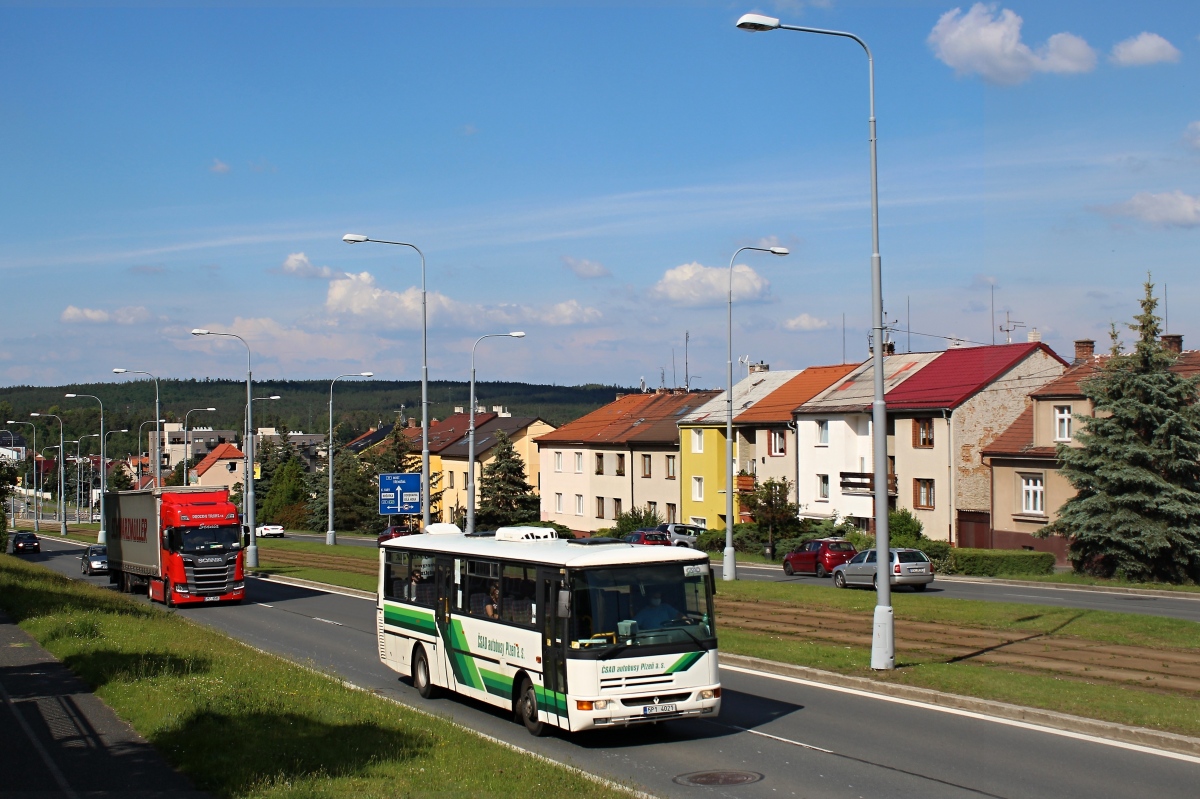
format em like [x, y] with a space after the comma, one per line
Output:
[779, 404]
[222, 452]
[1188, 365]
[635, 418]
[1018, 440]
[958, 374]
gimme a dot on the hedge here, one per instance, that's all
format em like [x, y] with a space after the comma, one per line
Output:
[999, 562]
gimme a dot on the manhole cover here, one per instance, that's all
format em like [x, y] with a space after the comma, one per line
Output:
[719, 778]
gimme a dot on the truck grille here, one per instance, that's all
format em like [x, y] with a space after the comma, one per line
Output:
[210, 579]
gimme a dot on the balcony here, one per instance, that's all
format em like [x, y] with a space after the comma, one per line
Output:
[864, 483]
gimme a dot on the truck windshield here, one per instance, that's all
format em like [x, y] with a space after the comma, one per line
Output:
[205, 539]
[635, 606]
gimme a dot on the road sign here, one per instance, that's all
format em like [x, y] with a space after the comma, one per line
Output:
[399, 494]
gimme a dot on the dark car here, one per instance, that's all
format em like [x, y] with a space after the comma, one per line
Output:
[818, 557]
[25, 542]
[95, 560]
[648, 537]
[395, 531]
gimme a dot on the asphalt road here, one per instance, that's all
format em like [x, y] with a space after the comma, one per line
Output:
[804, 739]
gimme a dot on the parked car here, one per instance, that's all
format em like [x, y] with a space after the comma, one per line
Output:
[395, 531]
[648, 537]
[269, 530]
[818, 557]
[682, 535]
[25, 542]
[94, 560]
[96, 517]
[909, 567]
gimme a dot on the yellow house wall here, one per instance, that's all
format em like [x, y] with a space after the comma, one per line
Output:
[709, 464]
[457, 496]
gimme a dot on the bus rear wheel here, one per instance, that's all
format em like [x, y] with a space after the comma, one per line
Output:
[527, 709]
[420, 675]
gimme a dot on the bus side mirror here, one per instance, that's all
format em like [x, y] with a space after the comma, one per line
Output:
[564, 604]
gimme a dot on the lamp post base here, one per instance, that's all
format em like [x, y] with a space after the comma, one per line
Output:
[252, 556]
[883, 641]
[729, 565]
[102, 538]
[330, 538]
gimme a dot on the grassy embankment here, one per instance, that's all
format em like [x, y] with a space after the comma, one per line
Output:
[241, 723]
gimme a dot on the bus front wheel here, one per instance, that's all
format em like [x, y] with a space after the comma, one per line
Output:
[527, 709]
[420, 675]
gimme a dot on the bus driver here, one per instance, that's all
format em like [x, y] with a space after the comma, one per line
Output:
[656, 613]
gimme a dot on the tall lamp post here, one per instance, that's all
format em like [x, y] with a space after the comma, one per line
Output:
[356, 238]
[36, 493]
[248, 497]
[187, 444]
[156, 423]
[247, 437]
[103, 536]
[330, 535]
[883, 642]
[58, 465]
[157, 427]
[471, 431]
[62, 508]
[12, 444]
[729, 564]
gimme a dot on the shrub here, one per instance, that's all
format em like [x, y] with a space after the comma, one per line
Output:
[999, 562]
[746, 538]
[941, 555]
[637, 518]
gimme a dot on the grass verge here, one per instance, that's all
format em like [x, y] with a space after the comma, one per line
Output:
[243, 724]
[328, 576]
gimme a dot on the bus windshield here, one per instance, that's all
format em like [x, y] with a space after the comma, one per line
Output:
[615, 608]
[222, 538]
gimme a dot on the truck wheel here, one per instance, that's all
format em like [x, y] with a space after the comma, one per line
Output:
[527, 709]
[168, 597]
[420, 674]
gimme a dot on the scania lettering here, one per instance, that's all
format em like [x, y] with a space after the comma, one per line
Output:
[181, 545]
[577, 634]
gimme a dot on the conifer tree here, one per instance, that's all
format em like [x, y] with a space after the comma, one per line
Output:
[1137, 474]
[504, 495]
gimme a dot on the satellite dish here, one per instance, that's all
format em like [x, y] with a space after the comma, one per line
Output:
[642, 385]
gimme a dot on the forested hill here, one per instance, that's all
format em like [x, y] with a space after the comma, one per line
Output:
[359, 404]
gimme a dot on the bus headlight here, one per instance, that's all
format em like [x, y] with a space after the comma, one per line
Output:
[710, 693]
[591, 704]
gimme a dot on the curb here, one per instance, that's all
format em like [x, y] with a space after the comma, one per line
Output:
[1141, 736]
[1099, 589]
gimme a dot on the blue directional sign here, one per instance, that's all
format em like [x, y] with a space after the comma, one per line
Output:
[399, 494]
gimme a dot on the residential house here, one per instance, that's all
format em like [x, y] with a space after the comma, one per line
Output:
[1026, 482]
[224, 467]
[521, 431]
[310, 447]
[201, 441]
[620, 456]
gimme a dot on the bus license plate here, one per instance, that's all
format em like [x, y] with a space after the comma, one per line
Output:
[212, 599]
[650, 710]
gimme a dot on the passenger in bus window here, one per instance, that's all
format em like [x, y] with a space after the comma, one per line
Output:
[492, 608]
[655, 613]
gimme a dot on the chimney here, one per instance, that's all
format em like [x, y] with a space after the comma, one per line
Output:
[458, 409]
[1085, 348]
[497, 409]
[1033, 336]
[412, 420]
[1173, 342]
[761, 366]
[620, 395]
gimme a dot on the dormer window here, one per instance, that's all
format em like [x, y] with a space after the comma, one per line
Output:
[1062, 422]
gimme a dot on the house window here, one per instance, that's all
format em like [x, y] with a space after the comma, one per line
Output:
[599, 463]
[578, 463]
[1062, 422]
[599, 507]
[1033, 494]
[697, 440]
[700, 521]
[823, 486]
[652, 507]
[579, 504]
[558, 506]
[464, 482]
[778, 443]
[450, 478]
[645, 466]
[616, 507]
[670, 467]
[698, 489]
[620, 465]
[823, 432]
[922, 433]
[672, 513]
[923, 494]
[558, 461]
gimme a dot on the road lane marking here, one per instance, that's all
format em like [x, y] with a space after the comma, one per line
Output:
[264, 605]
[327, 621]
[1025, 725]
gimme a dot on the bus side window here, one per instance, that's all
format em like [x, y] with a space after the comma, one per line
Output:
[482, 577]
[516, 589]
[397, 576]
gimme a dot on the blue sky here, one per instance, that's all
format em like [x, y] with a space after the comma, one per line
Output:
[583, 172]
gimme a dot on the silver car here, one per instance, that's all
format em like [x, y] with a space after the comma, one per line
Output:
[95, 560]
[909, 567]
[682, 535]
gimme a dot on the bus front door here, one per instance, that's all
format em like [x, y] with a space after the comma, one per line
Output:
[447, 599]
[554, 602]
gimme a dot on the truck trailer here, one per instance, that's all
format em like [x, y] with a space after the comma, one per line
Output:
[182, 544]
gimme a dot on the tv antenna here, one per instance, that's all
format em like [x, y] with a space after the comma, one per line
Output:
[1009, 326]
[744, 360]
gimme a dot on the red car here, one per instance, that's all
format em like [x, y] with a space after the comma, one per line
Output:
[394, 531]
[818, 557]
[649, 537]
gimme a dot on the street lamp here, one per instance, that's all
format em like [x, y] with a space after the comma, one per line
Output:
[62, 515]
[729, 564]
[156, 423]
[79, 492]
[12, 444]
[246, 436]
[36, 492]
[157, 429]
[103, 536]
[187, 445]
[248, 495]
[330, 535]
[357, 238]
[471, 431]
[883, 641]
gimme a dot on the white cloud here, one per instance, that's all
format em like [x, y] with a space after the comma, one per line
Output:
[298, 265]
[570, 312]
[1143, 49]
[693, 284]
[988, 43]
[584, 268]
[805, 323]
[293, 345]
[1192, 135]
[219, 166]
[129, 315]
[1168, 209]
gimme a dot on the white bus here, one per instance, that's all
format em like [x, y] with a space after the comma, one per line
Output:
[578, 634]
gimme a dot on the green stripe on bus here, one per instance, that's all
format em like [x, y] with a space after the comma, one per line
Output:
[462, 663]
[415, 620]
[496, 684]
[551, 701]
[684, 663]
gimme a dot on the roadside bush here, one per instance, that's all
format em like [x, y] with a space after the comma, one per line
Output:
[941, 555]
[746, 538]
[1001, 562]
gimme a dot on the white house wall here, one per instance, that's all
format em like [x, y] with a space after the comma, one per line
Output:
[848, 450]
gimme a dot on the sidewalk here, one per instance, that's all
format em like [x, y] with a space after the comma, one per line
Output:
[58, 740]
